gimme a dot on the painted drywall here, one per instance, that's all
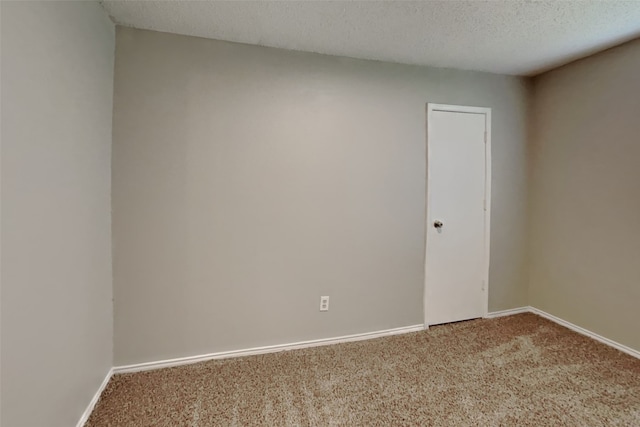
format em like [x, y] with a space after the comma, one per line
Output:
[249, 181]
[56, 302]
[585, 199]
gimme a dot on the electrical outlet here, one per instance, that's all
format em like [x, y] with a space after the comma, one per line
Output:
[324, 303]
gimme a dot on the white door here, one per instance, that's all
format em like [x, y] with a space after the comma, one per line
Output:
[458, 189]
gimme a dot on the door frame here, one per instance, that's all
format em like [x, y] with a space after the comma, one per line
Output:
[487, 196]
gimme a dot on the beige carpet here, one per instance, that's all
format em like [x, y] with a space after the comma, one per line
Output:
[513, 371]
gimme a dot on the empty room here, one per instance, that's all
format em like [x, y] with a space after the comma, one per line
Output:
[320, 213]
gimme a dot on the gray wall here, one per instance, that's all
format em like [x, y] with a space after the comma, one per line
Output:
[57, 86]
[248, 181]
[585, 221]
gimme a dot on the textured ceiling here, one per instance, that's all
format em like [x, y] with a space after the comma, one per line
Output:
[501, 36]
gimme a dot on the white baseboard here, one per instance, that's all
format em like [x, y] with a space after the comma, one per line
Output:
[87, 412]
[583, 331]
[509, 312]
[147, 366]
[569, 325]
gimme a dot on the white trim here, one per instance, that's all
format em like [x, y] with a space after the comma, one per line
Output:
[87, 412]
[611, 343]
[487, 195]
[147, 366]
[583, 331]
[509, 312]
[328, 341]
[487, 206]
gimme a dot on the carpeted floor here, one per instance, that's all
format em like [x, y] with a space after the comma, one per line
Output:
[520, 370]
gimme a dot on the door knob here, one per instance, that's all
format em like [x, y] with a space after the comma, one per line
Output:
[438, 224]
